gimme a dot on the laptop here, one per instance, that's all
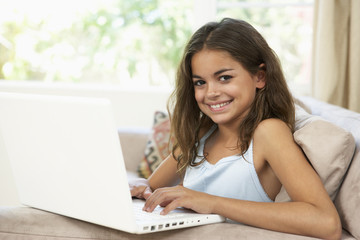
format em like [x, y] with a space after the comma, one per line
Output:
[66, 158]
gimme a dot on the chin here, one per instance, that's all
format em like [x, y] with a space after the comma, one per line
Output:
[225, 120]
[219, 121]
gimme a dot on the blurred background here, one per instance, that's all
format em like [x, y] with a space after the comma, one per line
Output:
[138, 43]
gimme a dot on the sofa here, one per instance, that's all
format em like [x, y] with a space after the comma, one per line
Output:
[21, 222]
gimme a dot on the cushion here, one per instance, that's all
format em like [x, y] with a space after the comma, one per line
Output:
[24, 223]
[327, 147]
[298, 102]
[157, 147]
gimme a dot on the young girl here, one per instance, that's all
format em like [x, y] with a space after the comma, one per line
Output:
[233, 119]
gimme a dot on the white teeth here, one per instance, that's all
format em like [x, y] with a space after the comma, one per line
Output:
[219, 105]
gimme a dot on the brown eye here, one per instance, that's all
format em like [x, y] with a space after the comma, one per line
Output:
[199, 82]
[225, 78]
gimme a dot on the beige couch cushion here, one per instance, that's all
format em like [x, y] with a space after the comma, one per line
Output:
[347, 201]
[23, 223]
[328, 148]
[133, 143]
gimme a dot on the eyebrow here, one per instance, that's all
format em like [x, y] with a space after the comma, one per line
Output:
[215, 73]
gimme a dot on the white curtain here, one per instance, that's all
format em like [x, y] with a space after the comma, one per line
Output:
[336, 52]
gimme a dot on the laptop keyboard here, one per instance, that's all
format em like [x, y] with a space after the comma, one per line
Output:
[142, 215]
[178, 218]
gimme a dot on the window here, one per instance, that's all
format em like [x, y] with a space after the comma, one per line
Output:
[287, 27]
[125, 42]
[137, 42]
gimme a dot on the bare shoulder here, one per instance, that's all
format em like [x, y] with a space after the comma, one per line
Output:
[272, 127]
[273, 135]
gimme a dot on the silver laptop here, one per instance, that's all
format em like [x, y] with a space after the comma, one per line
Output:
[66, 158]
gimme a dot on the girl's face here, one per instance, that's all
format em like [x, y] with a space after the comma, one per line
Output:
[224, 90]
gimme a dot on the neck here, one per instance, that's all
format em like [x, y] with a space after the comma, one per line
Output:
[228, 135]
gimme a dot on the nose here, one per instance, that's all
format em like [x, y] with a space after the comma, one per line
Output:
[212, 91]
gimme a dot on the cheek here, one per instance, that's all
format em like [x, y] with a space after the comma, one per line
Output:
[233, 91]
[199, 96]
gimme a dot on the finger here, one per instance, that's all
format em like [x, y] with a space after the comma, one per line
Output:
[150, 201]
[159, 196]
[162, 197]
[164, 204]
[138, 191]
[171, 206]
[135, 191]
[147, 193]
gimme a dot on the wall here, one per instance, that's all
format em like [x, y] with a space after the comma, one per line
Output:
[132, 108]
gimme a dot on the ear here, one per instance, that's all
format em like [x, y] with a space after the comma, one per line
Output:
[260, 76]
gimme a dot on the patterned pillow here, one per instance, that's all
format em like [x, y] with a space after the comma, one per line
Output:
[158, 147]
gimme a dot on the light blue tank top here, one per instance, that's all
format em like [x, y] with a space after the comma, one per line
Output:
[231, 177]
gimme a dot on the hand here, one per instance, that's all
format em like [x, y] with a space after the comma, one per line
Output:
[140, 188]
[179, 196]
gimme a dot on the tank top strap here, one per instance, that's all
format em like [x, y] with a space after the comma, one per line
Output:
[208, 133]
[249, 156]
[202, 142]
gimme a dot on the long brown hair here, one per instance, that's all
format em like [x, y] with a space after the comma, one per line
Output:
[246, 45]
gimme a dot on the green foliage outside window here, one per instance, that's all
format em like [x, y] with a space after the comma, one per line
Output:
[121, 41]
[133, 42]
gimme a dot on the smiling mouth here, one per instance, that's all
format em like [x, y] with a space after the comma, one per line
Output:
[219, 106]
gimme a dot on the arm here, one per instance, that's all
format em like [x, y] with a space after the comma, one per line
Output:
[165, 175]
[311, 211]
